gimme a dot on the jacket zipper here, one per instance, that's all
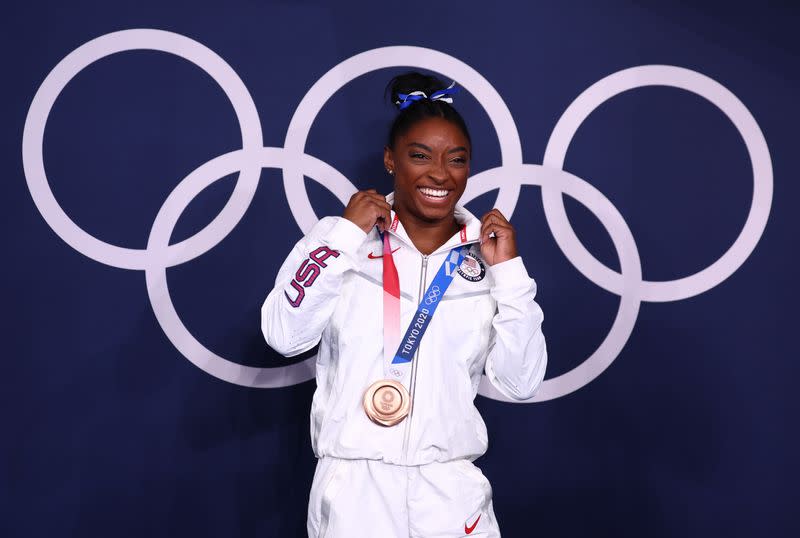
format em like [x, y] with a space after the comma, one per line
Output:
[423, 272]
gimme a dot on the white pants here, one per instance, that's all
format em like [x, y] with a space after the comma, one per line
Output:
[367, 499]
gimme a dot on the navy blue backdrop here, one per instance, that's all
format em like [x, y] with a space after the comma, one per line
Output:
[108, 429]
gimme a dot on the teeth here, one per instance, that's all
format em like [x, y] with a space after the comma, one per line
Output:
[436, 193]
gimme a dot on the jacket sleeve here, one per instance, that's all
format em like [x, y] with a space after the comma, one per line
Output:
[517, 355]
[307, 287]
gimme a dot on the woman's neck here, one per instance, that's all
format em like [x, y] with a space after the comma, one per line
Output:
[427, 236]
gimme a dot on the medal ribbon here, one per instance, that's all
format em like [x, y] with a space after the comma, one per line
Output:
[391, 302]
[407, 347]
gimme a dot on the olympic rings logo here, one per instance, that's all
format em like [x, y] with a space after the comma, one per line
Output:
[295, 163]
[433, 295]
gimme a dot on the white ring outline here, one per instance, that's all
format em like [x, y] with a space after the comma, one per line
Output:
[55, 82]
[156, 276]
[628, 254]
[160, 255]
[399, 56]
[737, 113]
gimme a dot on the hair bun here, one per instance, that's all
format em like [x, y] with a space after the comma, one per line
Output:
[412, 82]
[413, 108]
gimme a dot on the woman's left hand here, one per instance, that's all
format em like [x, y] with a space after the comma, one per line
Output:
[503, 246]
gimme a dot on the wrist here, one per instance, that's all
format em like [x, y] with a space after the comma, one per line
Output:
[347, 236]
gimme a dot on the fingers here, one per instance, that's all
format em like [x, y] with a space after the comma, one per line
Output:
[494, 222]
[373, 196]
[503, 245]
[384, 216]
[362, 197]
[382, 208]
[495, 215]
[497, 232]
[380, 211]
[369, 194]
[367, 209]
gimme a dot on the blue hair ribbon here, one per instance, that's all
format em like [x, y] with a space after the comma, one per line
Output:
[407, 99]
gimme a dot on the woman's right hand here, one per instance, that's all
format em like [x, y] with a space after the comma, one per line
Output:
[367, 209]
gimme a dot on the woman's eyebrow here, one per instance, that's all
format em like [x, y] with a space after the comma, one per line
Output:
[418, 145]
[427, 148]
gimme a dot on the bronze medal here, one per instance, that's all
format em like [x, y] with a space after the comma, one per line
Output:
[387, 402]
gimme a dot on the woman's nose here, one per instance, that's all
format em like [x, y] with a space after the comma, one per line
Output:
[437, 171]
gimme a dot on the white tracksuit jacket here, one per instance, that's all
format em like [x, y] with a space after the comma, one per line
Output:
[329, 291]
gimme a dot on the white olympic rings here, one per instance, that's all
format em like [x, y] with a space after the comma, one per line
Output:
[292, 160]
[433, 295]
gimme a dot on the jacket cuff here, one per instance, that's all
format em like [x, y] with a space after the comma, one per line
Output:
[346, 237]
[510, 280]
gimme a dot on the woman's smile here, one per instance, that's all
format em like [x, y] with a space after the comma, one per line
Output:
[434, 194]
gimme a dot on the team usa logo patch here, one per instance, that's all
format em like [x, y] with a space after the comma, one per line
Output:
[308, 272]
[472, 268]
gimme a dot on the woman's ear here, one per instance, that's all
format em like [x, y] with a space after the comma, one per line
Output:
[388, 159]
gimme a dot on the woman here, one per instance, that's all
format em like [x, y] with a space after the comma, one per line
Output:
[393, 420]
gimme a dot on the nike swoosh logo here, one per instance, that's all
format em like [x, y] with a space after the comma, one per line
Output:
[372, 256]
[468, 530]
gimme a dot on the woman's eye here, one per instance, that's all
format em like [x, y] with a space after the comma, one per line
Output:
[418, 156]
[460, 160]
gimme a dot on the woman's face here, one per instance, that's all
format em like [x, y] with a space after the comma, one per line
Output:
[431, 166]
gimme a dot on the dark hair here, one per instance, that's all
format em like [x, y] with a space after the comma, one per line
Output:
[421, 109]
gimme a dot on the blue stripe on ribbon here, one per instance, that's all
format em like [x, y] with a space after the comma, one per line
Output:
[407, 99]
[427, 306]
[445, 92]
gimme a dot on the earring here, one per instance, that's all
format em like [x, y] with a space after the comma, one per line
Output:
[391, 172]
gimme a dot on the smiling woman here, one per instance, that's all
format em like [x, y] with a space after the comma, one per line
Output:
[393, 423]
[428, 152]
[430, 163]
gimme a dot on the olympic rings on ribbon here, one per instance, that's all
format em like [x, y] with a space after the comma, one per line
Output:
[295, 163]
[433, 295]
